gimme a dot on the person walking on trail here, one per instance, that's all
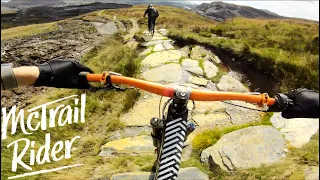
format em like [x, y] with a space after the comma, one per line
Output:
[152, 15]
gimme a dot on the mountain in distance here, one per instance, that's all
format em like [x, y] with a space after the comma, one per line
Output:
[32, 3]
[219, 11]
[80, 2]
[179, 4]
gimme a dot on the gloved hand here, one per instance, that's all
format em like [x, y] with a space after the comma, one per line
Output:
[305, 104]
[62, 74]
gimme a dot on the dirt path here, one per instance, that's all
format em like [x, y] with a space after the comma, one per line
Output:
[135, 28]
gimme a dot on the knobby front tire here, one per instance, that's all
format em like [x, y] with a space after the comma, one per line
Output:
[169, 157]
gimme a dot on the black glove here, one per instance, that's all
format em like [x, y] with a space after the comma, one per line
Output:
[305, 104]
[62, 74]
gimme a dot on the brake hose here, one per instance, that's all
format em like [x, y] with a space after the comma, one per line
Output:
[243, 106]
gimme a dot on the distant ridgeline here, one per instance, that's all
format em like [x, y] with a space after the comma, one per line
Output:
[48, 13]
[219, 11]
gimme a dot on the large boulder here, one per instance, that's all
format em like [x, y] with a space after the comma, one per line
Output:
[199, 52]
[246, 148]
[192, 66]
[297, 131]
[228, 83]
[198, 81]
[160, 74]
[210, 69]
[189, 173]
[131, 146]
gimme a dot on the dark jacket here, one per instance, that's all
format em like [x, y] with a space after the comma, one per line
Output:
[152, 13]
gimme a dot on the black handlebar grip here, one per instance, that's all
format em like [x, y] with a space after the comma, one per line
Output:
[282, 102]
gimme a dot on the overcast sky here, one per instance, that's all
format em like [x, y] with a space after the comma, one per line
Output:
[299, 9]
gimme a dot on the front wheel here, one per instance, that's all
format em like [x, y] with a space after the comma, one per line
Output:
[171, 144]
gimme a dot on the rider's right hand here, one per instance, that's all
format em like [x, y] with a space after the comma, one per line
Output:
[62, 74]
[299, 103]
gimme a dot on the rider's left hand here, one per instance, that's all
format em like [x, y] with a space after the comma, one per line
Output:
[62, 74]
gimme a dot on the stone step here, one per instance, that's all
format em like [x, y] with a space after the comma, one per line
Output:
[190, 173]
[130, 146]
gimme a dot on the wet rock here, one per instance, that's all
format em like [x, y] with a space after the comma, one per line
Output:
[192, 66]
[158, 58]
[297, 131]
[132, 146]
[198, 81]
[158, 47]
[228, 83]
[245, 148]
[312, 173]
[184, 174]
[210, 69]
[168, 45]
[160, 74]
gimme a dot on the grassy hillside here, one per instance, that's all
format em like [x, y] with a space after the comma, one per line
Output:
[28, 30]
[285, 49]
[169, 17]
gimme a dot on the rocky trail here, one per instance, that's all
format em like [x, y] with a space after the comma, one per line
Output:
[166, 63]
[195, 66]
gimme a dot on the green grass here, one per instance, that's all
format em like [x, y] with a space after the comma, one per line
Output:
[217, 78]
[28, 30]
[276, 47]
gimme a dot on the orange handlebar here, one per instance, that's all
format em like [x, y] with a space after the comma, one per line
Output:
[196, 95]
